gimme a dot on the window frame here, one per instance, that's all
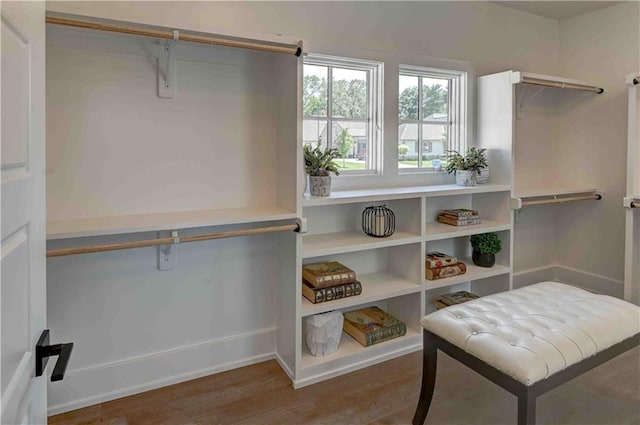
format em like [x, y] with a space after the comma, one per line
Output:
[375, 104]
[457, 107]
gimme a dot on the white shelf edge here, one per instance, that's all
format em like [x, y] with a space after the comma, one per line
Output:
[384, 285]
[473, 273]
[406, 239]
[459, 231]
[115, 225]
[386, 194]
[517, 76]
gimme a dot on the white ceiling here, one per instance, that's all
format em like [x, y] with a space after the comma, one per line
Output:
[558, 9]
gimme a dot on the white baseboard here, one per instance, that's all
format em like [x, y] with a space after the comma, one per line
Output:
[98, 384]
[579, 278]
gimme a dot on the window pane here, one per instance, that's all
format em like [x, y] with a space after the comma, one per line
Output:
[408, 146]
[350, 138]
[408, 98]
[314, 95]
[314, 130]
[349, 92]
[435, 99]
[434, 144]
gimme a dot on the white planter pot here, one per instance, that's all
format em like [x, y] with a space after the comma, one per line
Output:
[465, 178]
[320, 185]
[483, 177]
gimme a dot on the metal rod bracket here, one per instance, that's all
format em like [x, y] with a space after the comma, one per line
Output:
[167, 68]
[168, 254]
[302, 225]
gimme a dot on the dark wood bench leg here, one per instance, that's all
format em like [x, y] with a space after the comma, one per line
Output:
[526, 409]
[429, 365]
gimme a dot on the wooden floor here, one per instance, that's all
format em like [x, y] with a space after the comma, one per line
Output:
[382, 394]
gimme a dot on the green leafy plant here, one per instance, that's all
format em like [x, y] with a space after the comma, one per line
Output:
[474, 160]
[486, 243]
[320, 162]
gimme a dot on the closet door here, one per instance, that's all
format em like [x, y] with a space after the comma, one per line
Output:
[23, 293]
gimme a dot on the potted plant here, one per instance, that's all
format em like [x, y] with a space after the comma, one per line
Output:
[319, 164]
[485, 247]
[466, 167]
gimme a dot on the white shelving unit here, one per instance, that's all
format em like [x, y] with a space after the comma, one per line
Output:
[392, 269]
[519, 121]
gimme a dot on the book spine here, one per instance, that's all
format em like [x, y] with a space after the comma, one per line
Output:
[320, 295]
[461, 222]
[329, 279]
[460, 213]
[433, 263]
[385, 334]
[446, 271]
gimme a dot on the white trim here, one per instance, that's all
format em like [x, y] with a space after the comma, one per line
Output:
[133, 375]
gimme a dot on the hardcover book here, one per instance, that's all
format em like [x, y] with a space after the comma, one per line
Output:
[458, 297]
[445, 271]
[439, 259]
[372, 325]
[460, 212]
[468, 221]
[327, 273]
[320, 295]
[440, 304]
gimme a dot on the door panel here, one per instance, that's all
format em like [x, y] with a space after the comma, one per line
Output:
[22, 243]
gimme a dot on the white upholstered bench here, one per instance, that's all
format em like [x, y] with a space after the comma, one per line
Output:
[528, 341]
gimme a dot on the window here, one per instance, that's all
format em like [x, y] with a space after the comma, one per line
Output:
[342, 108]
[431, 105]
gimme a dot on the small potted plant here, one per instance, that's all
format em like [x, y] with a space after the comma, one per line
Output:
[467, 167]
[319, 164]
[485, 247]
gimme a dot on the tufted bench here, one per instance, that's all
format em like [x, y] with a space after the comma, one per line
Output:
[528, 341]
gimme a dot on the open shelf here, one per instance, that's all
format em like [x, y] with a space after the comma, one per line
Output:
[473, 273]
[341, 242]
[437, 231]
[100, 226]
[375, 286]
[351, 348]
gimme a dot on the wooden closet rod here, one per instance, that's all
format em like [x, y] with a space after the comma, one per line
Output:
[170, 240]
[295, 49]
[595, 197]
[559, 85]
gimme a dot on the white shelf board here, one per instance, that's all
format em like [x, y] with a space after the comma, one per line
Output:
[100, 226]
[375, 286]
[517, 76]
[473, 273]
[385, 194]
[349, 347]
[336, 243]
[540, 192]
[437, 231]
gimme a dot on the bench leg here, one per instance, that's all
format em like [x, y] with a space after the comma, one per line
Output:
[429, 365]
[526, 409]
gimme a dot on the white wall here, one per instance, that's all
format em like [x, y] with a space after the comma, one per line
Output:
[135, 327]
[601, 47]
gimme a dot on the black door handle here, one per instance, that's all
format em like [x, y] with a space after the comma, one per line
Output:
[44, 351]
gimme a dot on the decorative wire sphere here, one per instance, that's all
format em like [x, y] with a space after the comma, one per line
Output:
[379, 221]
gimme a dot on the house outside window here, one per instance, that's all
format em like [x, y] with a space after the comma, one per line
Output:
[431, 118]
[342, 108]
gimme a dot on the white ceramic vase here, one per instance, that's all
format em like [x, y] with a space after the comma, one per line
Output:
[483, 177]
[465, 178]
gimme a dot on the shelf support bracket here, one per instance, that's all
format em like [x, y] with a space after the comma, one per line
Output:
[167, 68]
[168, 254]
[631, 202]
[523, 100]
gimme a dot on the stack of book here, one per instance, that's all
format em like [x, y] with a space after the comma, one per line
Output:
[459, 217]
[454, 298]
[372, 325]
[439, 266]
[328, 281]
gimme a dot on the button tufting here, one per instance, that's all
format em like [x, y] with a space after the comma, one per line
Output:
[512, 343]
[474, 333]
